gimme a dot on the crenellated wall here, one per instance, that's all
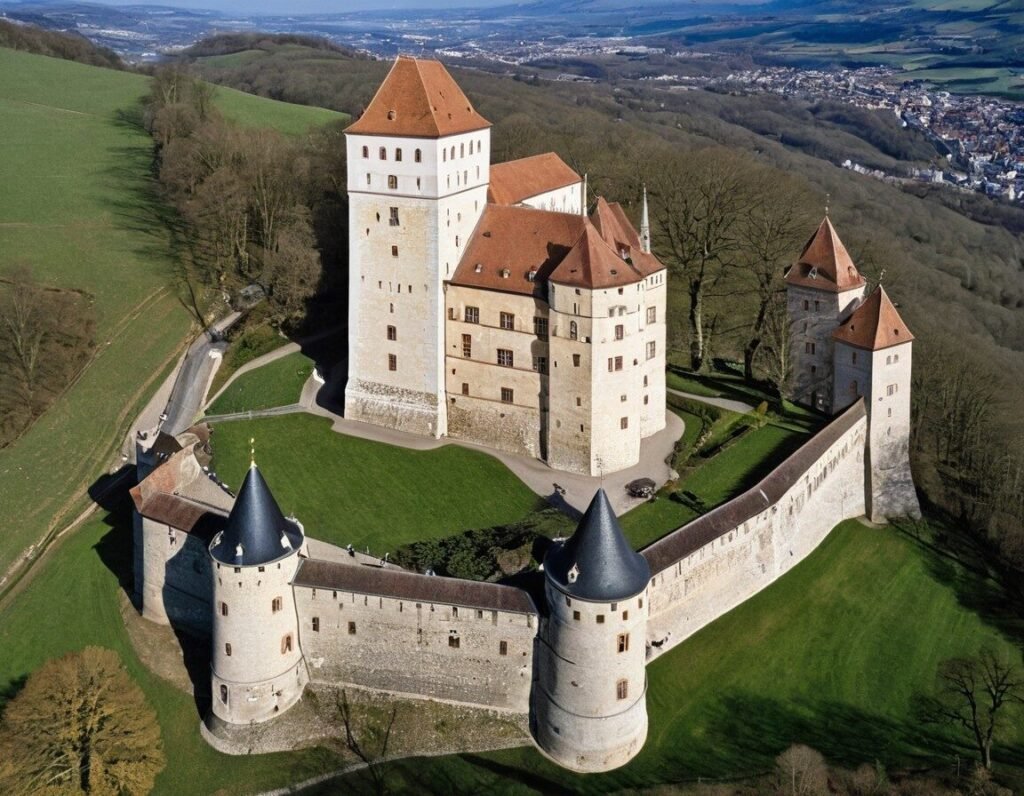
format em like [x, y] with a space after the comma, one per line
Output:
[713, 564]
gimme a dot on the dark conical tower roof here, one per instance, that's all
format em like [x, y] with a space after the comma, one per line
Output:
[257, 532]
[597, 563]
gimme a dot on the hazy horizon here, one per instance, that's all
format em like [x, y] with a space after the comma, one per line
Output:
[277, 8]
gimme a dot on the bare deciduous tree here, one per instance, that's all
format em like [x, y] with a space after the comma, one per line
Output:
[369, 741]
[802, 771]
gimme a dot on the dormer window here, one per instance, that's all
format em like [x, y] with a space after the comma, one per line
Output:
[813, 273]
[391, 116]
[573, 573]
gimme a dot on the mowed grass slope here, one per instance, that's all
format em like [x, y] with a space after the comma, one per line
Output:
[830, 656]
[78, 207]
[278, 383]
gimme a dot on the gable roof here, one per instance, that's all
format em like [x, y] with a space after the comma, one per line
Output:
[419, 99]
[824, 263]
[518, 180]
[179, 493]
[618, 232]
[593, 264]
[603, 566]
[256, 532]
[874, 324]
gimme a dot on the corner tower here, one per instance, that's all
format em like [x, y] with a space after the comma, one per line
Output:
[822, 288]
[418, 161]
[590, 687]
[873, 359]
[257, 669]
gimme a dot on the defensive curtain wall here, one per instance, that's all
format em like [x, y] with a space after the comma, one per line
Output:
[474, 642]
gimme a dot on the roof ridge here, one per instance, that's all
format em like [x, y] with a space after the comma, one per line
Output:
[430, 104]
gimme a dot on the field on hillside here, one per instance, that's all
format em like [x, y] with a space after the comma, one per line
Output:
[78, 207]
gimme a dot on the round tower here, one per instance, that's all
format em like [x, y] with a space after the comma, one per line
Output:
[589, 698]
[257, 668]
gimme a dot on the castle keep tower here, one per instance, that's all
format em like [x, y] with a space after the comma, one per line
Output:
[257, 666]
[872, 359]
[822, 289]
[589, 696]
[418, 162]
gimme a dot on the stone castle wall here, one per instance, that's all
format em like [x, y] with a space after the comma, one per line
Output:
[176, 584]
[710, 566]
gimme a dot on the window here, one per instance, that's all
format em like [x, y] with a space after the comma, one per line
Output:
[579, 401]
[503, 648]
[620, 331]
[652, 347]
[392, 182]
[462, 150]
[316, 624]
[398, 154]
[576, 615]
[623, 423]
[817, 304]
[506, 395]
[622, 689]
[507, 320]
[575, 360]
[392, 333]
[227, 649]
[367, 180]
[623, 642]
[807, 304]
[465, 388]
[392, 362]
[351, 628]
[625, 615]
[540, 364]
[383, 153]
[505, 358]
[895, 358]
[275, 605]
[224, 694]
[853, 387]
[892, 389]
[453, 642]
[573, 330]
[393, 220]
[853, 357]
[652, 314]
[472, 315]
[444, 155]
[453, 153]
[286, 644]
[614, 363]
[418, 156]
[467, 346]
[223, 609]
[540, 327]
[808, 348]
[600, 619]
[366, 151]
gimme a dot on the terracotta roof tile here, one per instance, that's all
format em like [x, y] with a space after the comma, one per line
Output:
[419, 99]
[404, 585]
[179, 493]
[874, 324]
[517, 180]
[824, 263]
[617, 230]
[593, 264]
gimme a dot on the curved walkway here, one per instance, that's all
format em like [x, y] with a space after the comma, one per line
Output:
[721, 403]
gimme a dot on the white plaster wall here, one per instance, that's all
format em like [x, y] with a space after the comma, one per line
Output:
[175, 576]
[891, 490]
[261, 680]
[402, 646]
[652, 405]
[568, 199]
[724, 573]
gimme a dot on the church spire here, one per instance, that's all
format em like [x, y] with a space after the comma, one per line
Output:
[583, 197]
[645, 227]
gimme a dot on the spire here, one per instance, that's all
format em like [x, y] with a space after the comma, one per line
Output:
[875, 324]
[645, 227]
[597, 563]
[257, 532]
[583, 197]
[824, 263]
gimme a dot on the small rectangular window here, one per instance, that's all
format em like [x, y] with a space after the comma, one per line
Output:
[392, 362]
[417, 156]
[223, 609]
[472, 315]
[853, 357]
[623, 642]
[453, 642]
[540, 327]
[540, 364]
[383, 153]
[465, 388]
[394, 253]
[316, 624]
[503, 648]
[398, 154]
[575, 360]
[620, 331]
[506, 395]
[505, 358]
[618, 363]
[507, 320]
[807, 304]
[393, 220]
[392, 182]
[622, 689]
[652, 314]
[275, 605]
[467, 346]
[600, 619]
[623, 422]
[576, 615]
[227, 649]
[392, 333]
[286, 644]
[352, 628]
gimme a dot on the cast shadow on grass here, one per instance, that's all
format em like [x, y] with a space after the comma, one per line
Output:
[958, 560]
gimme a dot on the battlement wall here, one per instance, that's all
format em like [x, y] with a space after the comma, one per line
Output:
[412, 634]
[709, 566]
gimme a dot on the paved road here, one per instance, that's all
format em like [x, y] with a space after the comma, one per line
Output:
[721, 403]
[190, 386]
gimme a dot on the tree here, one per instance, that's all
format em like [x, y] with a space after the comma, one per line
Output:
[802, 771]
[370, 742]
[80, 725]
[292, 271]
[972, 694]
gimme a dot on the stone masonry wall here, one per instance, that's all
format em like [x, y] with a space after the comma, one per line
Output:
[403, 647]
[176, 585]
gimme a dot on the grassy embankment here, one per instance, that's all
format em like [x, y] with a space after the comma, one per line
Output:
[78, 206]
[278, 383]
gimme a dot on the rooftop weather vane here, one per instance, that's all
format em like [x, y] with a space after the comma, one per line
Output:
[828, 201]
[252, 451]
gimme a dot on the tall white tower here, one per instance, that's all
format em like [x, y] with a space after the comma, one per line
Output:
[257, 668]
[418, 168]
[822, 289]
[590, 690]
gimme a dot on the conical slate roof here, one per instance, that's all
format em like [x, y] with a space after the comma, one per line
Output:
[874, 324]
[597, 563]
[824, 263]
[257, 532]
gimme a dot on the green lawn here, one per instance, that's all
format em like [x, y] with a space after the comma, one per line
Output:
[352, 491]
[829, 656]
[78, 206]
[278, 383]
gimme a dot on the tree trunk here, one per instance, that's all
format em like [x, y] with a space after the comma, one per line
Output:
[696, 326]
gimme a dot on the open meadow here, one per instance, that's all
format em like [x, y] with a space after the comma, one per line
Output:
[79, 208]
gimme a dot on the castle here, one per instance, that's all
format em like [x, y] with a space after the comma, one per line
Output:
[285, 611]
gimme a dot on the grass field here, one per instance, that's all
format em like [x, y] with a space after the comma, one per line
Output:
[352, 491]
[278, 383]
[78, 207]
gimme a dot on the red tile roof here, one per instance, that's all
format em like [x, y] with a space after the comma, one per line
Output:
[593, 263]
[875, 324]
[517, 180]
[824, 263]
[619, 233]
[419, 99]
